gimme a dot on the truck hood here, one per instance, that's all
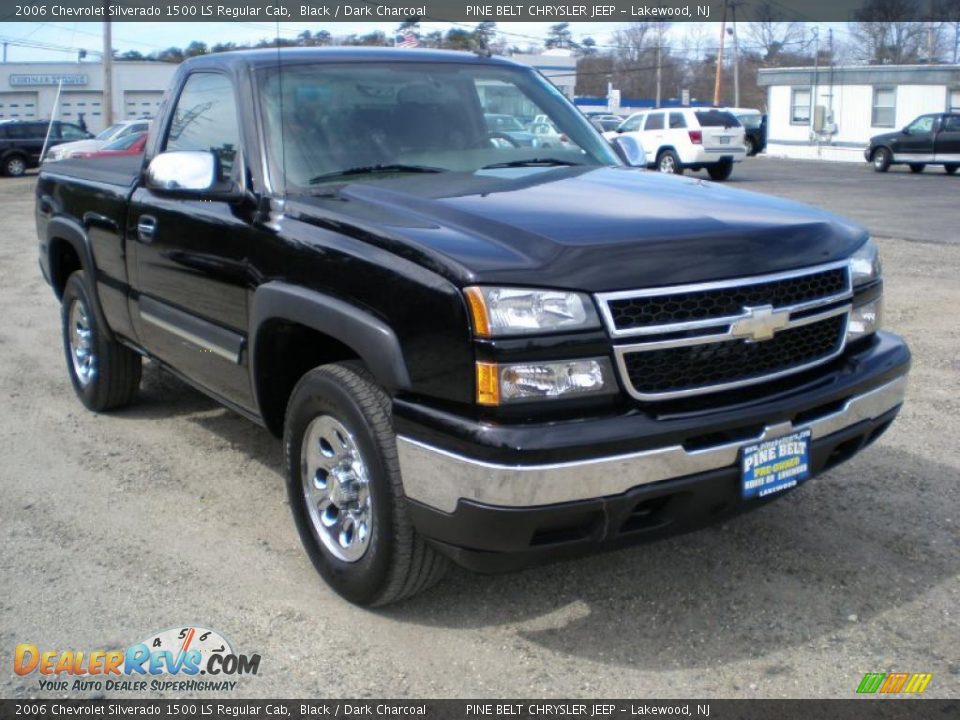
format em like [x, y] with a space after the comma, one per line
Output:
[592, 229]
[886, 137]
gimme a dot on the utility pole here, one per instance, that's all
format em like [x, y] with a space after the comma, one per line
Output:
[659, 63]
[816, 78]
[736, 57]
[107, 67]
[5, 52]
[930, 34]
[718, 81]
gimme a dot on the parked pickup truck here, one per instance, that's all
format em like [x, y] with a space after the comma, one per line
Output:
[932, 139]
[473, 351]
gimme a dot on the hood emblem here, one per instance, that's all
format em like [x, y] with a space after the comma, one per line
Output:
[760, 323]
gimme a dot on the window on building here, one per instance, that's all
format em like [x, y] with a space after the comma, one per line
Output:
[654, 122]
[800, 106]
[205, 118]
[884, 107]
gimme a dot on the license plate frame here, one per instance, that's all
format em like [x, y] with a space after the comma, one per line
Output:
[772, 466]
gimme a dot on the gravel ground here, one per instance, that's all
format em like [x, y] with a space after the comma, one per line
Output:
[173, 512]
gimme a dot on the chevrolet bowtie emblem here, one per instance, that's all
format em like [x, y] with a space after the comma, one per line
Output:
[759, 323]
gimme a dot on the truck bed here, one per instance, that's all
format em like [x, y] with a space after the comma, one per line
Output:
[121, 171]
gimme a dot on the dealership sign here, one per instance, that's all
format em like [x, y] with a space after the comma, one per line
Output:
[20, 80]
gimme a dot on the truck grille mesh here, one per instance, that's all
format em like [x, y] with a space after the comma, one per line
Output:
[678, 369]
[638, 312]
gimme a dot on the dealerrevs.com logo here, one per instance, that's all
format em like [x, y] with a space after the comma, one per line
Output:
[173, 660]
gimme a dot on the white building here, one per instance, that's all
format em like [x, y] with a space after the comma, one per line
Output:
[558, 66]
[28, 90]
[831, 113]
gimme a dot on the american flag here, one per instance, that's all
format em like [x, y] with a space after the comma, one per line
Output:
[407, 40]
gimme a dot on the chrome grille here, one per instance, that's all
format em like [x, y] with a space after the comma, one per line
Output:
[708, 337]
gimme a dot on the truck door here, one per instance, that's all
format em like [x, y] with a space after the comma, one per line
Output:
[947, 148]
[916, 144]
[192, 278]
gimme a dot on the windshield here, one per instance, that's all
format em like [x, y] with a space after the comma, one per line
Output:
[325, 122]
[108, 133]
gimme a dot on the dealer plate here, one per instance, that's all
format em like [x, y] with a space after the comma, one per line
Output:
[775, 465]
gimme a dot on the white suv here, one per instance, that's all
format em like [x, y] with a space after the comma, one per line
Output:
[676, 139]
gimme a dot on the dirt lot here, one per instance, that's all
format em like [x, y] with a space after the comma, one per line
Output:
[173, 512]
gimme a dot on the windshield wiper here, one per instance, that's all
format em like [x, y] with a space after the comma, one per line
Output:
[531, 162]
[374, 169]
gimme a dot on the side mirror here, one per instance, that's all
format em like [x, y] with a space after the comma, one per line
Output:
[630, 150]
[190, 173]
[906, 130]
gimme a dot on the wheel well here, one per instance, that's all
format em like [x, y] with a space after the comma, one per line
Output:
[665, 149]
[64, 261]
[285, 351]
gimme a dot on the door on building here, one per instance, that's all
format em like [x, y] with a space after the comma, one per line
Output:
[18, 106]
[137, 104]
[88, 104]
[916, 144]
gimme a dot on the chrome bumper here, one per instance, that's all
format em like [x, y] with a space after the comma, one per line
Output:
[439, 479]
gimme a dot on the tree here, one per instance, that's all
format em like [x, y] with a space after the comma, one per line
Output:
[132, 55]
[196, 48]
[888, 32]
[588, 47]
[559, 36]
[485, 34]
[171, 54]
[460, 39]
[772, 33]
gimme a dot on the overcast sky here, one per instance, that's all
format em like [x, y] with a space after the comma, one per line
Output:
[149, 37]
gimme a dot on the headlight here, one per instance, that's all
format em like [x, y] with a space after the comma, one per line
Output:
[865, 319]
[865, 264]
[519, 311]
[500, 384]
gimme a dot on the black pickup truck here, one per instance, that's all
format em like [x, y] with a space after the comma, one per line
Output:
[473, 351]
[932, 139]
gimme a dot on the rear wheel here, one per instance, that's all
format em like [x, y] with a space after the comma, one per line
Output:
[669, 162]
[721, 170]
[917, 167]
[881, 159]
[345, 490]
[104, 373]
[951, 169]
[751, 146]
[14, 166]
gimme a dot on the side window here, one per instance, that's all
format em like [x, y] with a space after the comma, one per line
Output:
[205, 118]
[677, 121]
[951, 123]
[72, 132]
[632, 124]
[654, 122]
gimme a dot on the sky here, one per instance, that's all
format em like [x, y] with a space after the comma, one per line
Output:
[150, 37]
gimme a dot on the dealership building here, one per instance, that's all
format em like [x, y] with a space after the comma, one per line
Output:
[831, 113]
[28, 90]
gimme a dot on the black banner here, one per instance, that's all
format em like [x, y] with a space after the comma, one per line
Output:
[452, 10]
[860, 709]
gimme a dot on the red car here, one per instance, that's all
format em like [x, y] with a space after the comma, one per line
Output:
[127, 145]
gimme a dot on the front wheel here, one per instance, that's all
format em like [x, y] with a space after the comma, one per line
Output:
[105, 374]
[881, 159]
[14, 166]
[720, 171]
[917, 168]
[751, 147]
[345, 490]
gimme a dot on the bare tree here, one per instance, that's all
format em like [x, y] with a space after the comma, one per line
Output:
[772, 34]
[888, 32]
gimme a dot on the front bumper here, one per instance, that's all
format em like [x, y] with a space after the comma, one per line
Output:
[493, 506]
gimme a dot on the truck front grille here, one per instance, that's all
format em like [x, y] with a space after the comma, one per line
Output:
[709, 337]
[670, 370]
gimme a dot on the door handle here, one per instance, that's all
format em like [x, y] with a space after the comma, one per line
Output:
[146, 228]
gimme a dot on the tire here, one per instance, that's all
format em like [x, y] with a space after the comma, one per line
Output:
[751, 146]
[721, 170]
[14, 165]
[951, 169]
[881, 159]
[351, 515]
[104, 374]
[917, 168]
[669, 162]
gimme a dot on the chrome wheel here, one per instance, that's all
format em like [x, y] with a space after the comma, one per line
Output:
[16, 167]
[336, 487]
[667, 164]
[82, 351]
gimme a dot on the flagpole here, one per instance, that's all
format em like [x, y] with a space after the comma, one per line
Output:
[53, 115]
